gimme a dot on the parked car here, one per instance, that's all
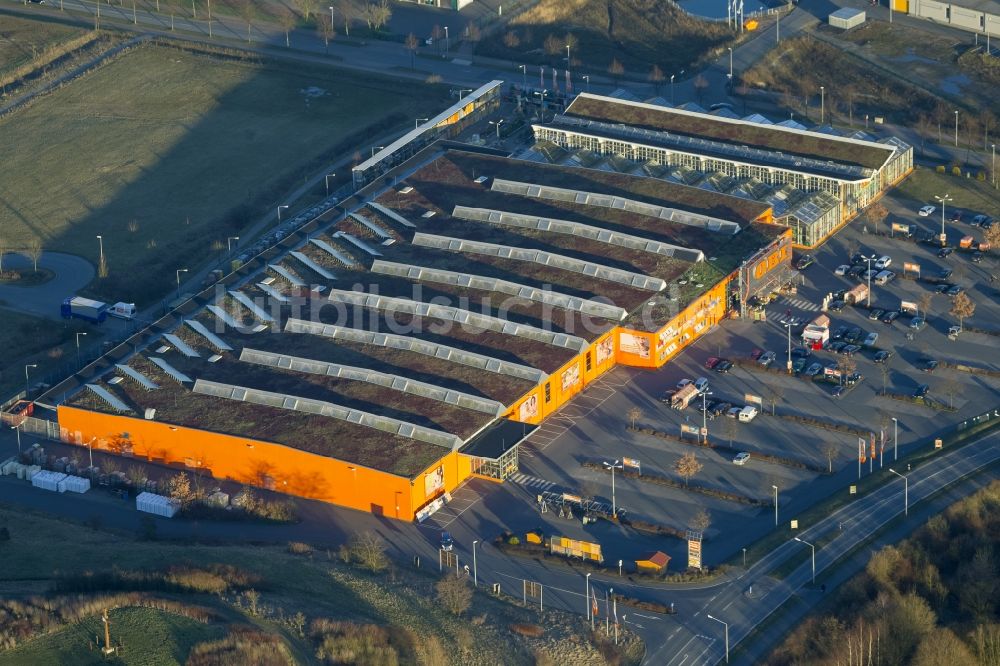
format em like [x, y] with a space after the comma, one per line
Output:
[747, 414]
[814, 370]
[756, 354]
[668, 396]
[977, 257]
[945, 273]
[842, 269]
[917, 323]
[883, 262]
[721, 408]
[853, 378]
[856, 271]
[927, 364]
[767, 358]
[836, 306]
[447, 543]
[837, 346]
[741, 458]
[712, 362]
[943, 287]
[926, 211]
[854, 334]
[798, 364]
[945, 252]
[978, 220]
[839, 332]
[890, 317]
[876, 314]
[885, 277]
[921, 391]
[805, 261]
[838, 391]
[956, 216]
[734, 412]
[870, 339]
[701, 384]
[801, 352]
[682, 383]
[882, 356]
[850, 350]
[723, 366]
[954, 290]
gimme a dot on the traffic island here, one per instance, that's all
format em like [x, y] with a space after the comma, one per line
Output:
[673, 483]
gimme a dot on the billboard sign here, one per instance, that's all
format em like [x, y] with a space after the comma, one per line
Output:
[909, 267]
[632, 463]
[693, 430]
[585, 550]
[750, 398]
[694, 553]
[434, 481]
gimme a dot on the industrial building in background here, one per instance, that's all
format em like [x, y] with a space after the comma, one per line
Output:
[814, 181]
[413, 336]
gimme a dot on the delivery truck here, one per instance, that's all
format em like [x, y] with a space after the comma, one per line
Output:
[817, 333]
[122, 310]
[77, 307]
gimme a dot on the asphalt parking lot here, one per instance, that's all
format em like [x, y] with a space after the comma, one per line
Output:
[596, 430]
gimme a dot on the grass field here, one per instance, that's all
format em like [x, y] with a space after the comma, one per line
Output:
[966, 193]
[30, 339]
[637, 33]
[165, 153]
[21, 40]
[148, 637]
[317, 584]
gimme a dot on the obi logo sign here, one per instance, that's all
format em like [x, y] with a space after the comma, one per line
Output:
[764, 266]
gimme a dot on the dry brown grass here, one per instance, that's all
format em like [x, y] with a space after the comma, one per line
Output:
[638, 33]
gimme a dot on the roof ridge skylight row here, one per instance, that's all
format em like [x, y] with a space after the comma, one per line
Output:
[630, 278]
[547, 297]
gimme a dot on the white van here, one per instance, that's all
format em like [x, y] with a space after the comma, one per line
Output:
[122, 310]
[748, 414]
[883, 262]
[883, 277]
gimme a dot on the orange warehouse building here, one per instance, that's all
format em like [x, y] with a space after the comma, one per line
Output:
[387, 354]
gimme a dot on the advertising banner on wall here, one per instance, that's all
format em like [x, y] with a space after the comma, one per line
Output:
[570, 377]
[434, 481]
[529, 409]
[634, 344]
[605, 349]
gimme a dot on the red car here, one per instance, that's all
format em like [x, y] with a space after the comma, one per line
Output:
[712, 362]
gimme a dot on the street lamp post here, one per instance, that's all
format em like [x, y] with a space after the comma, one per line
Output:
[895, 438]
[567, 56]
[993, 164]
[374, 148]
[100, 240]
[956, 128]
[775, 504]
[78, 348]
[17, 428]
[416, 124]
[943, 200]
[497, 123]
[788, 328]
[179, 271]
[447, 41]
[27, 390]
[475, 570]
[229, 242]
[704, 416]
[90, 450]
[813, 557]
[744, 558]
[672, 88]
[869, 274]
[586, 77]
[730, 64]
[327, 179]
[279, 211]
[524, 77]
[726, 625]
[613, 466]
[463, 91]
[586, 594]
[822, 104]
[906, 492]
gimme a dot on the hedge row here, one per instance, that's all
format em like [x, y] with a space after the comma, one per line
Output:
[933, 404]
[971, 369]
[819, 423]
[766, 457]
[695, 488]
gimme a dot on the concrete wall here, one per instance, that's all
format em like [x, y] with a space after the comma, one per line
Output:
[930, 9]
[969, 19]
[954, 15]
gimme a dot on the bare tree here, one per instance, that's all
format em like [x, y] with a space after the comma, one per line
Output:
[412, 44]
[324, 27]
[552, 45]
[179, 488]
[656, 77]
[951, 388]
[846, 365]
[925, 303]
[453, 593]
[992, 236]
[511, 40]
[616, 69]
[925, 128]
[700, 521]
[368, 550]
[377, 15]
[287, 20]
[886, 370]
[687, 466]
[307, 8]
[34, 252]
[850, 93]
[774, 393]
[962, 307]
[473, 35]
[830, 450]
[248, 12]
[634, 414]
[876, 214]
[729, 425]
[347, 11]
[436, 34]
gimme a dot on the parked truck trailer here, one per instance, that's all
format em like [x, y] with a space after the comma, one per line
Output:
[77, 307]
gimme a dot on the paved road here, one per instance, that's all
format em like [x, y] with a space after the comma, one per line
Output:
[71, 273]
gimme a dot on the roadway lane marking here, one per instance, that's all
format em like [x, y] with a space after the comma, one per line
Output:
[648, 617]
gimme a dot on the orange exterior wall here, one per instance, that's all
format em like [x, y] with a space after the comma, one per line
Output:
[266, 464]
